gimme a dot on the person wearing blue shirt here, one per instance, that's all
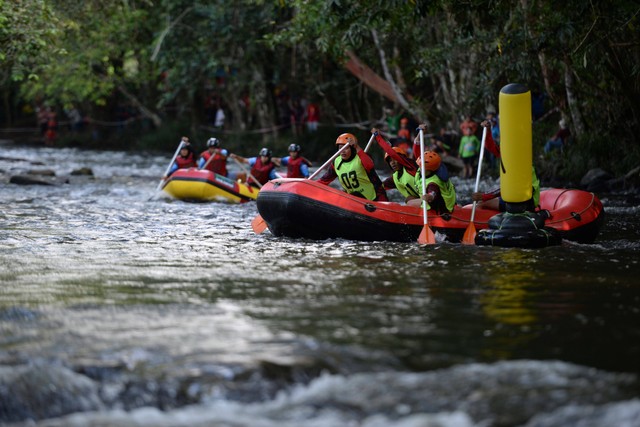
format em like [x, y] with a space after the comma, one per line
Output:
[263, 167]
[297, 166]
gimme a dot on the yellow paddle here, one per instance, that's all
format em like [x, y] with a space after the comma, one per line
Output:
[469, 237]
[426, 236]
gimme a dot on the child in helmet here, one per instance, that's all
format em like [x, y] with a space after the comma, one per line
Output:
[297, 166]
[440, 193]
[214, 158]
[356, 170]
[404, 169]
[263, 167]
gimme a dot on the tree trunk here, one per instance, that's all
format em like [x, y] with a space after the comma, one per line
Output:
[7, 107]
[397, 91]
[369, 77]
[548, 86]
[572, 101]
[231, 97]
[6, 101]
[260, 95]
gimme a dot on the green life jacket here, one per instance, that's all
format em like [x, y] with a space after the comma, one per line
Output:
[405, 183]
[447, 190]
[354, 178]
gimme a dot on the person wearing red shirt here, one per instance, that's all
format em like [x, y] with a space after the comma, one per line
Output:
[312, 116]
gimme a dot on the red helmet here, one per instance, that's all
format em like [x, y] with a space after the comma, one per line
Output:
[432, 161]
[346, 138]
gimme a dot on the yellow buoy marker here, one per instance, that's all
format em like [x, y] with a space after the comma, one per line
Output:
[515, 146]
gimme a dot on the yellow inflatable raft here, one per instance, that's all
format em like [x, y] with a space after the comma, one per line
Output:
[195, 185]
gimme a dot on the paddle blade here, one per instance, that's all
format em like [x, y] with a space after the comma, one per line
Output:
[469, 237]
[258, 224]
[426, 236]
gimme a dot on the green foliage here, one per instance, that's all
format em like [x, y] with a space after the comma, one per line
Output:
[28, 30]
[448, 58]
[100, 54]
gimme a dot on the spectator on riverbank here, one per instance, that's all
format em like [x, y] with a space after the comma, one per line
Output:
[312, 116]
[76, 123]
[297, 116]
[404, 137]
[495, 133]
[559, 139]
[220, 118]
[468, 150]
[468, 126]
[42, 113]
[51, 134]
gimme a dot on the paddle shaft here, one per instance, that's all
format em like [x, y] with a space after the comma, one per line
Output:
[424, 185]
[248, 172]
[328, 162]
[475, 188]
[366, 149]
[208, 161]
[173, 159]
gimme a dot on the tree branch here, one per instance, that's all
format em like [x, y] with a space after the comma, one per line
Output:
[157, 121]
[166, 31]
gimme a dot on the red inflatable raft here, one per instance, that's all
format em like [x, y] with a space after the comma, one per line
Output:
[302, 208]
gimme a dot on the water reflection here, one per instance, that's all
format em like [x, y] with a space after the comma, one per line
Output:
[161, 302]
[509, 276]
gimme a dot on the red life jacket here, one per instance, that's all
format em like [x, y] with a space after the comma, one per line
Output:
[313, 113]
[261, 171]
[217, 165]
[293, 167]
[186, 162]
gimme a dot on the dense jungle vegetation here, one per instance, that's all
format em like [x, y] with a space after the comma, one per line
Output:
[166, 65]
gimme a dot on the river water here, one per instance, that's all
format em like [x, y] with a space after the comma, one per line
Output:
[120, 306]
